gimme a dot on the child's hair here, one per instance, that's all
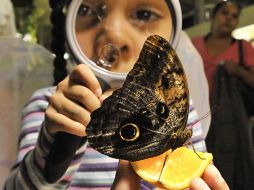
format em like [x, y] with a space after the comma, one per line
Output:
[58, 38]
[221, 4]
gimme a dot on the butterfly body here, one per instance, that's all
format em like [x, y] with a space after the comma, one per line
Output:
[148, 115]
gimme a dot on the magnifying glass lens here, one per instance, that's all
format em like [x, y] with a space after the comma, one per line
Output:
[108, 56]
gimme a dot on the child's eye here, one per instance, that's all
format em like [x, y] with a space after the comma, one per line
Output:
[87, 17]
[85, 10]
[145, 15]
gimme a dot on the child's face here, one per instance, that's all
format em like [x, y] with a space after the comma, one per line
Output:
[125, 24]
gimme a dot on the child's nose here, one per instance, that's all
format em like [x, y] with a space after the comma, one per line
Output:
[117, 32]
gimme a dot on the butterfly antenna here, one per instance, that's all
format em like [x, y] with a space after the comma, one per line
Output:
[190, 143]
[211, 112]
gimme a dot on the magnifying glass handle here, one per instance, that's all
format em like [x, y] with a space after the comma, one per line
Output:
[61, 155]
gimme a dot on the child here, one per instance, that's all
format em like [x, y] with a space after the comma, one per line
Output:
[67, 107]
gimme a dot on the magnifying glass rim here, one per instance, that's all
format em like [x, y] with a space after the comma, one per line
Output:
[77, 51]
[107, 75]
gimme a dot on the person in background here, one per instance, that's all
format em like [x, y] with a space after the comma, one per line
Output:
[229, 137]
[7, 19]
[66, 107]
[219, 46]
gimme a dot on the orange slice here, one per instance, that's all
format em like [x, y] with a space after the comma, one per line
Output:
[150, 169]
[173, 170]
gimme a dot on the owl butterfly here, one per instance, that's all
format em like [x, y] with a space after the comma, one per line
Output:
[148, 115]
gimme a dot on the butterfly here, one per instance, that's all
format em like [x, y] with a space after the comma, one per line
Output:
[148, 114]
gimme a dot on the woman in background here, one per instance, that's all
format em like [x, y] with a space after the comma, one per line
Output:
[219, 46]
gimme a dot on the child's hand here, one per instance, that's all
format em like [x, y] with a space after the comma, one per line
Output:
[106, 94]
[75, 98]
[211, 180]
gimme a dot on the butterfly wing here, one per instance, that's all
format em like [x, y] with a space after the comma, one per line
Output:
[148, 115]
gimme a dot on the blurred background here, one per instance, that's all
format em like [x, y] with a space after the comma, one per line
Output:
[32, 18]
[25, 30]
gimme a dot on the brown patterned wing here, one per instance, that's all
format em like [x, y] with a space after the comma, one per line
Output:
[148, 115]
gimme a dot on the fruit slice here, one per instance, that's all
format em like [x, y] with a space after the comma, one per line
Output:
[173, 170]
[150, 169]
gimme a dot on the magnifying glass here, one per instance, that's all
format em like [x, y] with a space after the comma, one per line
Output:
[106, 56]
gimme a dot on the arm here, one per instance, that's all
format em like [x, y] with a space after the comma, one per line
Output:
[34, 146]
[245, 73]
[67, 110]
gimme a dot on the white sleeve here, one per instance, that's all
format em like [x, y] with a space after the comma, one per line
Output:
[197, 81]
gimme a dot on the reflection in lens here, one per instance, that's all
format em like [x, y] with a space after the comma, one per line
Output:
[101, 12]
[108, 56]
